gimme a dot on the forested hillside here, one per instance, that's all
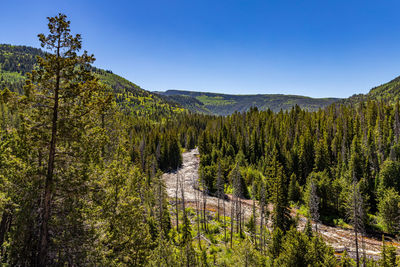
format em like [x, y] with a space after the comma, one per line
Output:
[188, 102]
[223, 104]
[17, 61]
[388, 92]
[82, 163]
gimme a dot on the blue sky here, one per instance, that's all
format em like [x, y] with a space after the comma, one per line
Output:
[316, 48]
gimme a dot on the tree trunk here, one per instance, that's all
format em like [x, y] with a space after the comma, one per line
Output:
[254, 234]
[223, 203]
[103, 126]
[176, 203]
[183, 204]
[204, 211]
[232, 219]
[44, 231]
[240, 217]
[198, 216]
[357, 256]
[363, 249]
[261, 227]
[218, 207]
[4, 227]
[160, 199]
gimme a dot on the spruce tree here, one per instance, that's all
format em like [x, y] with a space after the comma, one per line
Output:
[294, 189]
[280, 214]
[62, 94]
[388, 255]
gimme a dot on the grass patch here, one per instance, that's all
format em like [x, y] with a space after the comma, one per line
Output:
[303, 211]
[339, 222]
[214, 101]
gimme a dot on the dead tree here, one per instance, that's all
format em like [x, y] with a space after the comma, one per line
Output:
[220, 187]
[356, 214]
[205, 192]
[182, 195]
[197, 200]
[223, 204]
[313, 204]
[158, 152]
[221, 194]
[159, 184]
[262, 206]
[396, 123]
[176, 201]
[237, 190]
[232, 217]
[183, 202]
[5, 225]
[363, 250]
[254, 233]
[160, 205]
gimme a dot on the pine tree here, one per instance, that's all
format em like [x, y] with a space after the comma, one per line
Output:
[389, 210]
[308, 229]
[237, 193]
[263, 205]
[274, 249]
[280, 214]
[345, 260]
[62, 94]
[121, 219]
[388, 255]
[294, 189]
[220, 188]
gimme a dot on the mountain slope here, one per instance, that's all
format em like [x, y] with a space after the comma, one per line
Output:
[16, 61]
[224, 104]
[388, 92]
[188, 102]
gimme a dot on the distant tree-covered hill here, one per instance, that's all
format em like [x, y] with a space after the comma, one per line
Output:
[16, 61]
[191, 103]
[224, 104]
[387, 92]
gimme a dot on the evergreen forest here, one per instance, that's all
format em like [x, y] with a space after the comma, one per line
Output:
[91, 172]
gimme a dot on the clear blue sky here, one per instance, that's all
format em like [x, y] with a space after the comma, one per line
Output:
[317, 48]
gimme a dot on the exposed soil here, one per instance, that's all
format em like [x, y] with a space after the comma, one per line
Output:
[340, 239]
[189, 176]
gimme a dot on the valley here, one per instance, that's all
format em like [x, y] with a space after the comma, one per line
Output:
[225, 104]
[187, 178]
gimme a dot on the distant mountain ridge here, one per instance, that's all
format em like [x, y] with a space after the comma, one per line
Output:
[225, 104]
[17, 60]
